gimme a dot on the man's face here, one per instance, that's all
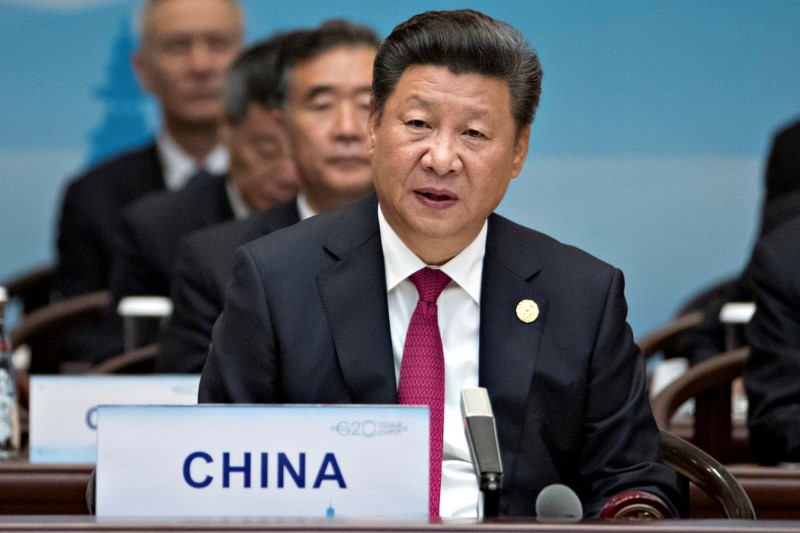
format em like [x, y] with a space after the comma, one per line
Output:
[262, 166]
[327, 111]
[444, 153]
[186, 47]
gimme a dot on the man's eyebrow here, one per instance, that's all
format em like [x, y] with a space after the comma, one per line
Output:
[317, 90]
[472, 113]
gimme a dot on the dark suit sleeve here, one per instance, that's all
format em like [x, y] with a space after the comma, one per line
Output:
[185, 340]
[82, 263]
[242, 365]
[131, 272]
[621, 449]
[772, 374]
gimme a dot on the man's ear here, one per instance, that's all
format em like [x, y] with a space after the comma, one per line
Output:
[142, 70]
[520, 151]
[282, 122]
[372, 124]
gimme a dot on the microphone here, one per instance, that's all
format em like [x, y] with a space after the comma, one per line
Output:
[558, 503]
[481, 433]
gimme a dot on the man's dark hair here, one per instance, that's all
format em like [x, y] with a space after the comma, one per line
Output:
[464, 41]
[304, 45]
[254, 78]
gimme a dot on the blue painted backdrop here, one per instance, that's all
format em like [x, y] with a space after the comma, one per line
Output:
[648, 149]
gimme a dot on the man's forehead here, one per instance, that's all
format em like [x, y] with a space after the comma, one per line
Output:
[314, 91]
[428, 86]
[319, 75]
[175, 17]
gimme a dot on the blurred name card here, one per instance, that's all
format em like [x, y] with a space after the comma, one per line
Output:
[266, 461]
[63, 409]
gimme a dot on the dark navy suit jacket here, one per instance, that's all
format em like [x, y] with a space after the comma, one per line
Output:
[306, 321]
[203, 265]
[150, 231]
[90, 217]
[771, 374]
[87, 231]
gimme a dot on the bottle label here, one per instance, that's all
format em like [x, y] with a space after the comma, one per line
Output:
[7, 399]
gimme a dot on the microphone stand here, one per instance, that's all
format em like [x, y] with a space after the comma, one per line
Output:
[490, 483]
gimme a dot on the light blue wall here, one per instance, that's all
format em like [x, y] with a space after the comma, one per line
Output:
[648, 148]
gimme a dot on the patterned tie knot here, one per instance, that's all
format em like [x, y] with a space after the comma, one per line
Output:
[430, 283]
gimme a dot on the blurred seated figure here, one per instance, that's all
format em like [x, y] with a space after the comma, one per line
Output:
[772, 373]
[328, 131]
[781, 204]
[262, 174]
[185, 48]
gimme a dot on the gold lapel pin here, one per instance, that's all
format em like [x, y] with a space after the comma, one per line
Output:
[527, 311]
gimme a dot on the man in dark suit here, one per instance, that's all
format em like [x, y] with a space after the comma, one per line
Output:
[318, 312]
[781, 204]
[262, 174]
[186, 47]
[771, 374]
[203, 261]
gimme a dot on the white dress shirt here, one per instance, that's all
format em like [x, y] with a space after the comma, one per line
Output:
[178, 166]
[239, 208]
[459, 322]
[303, 207]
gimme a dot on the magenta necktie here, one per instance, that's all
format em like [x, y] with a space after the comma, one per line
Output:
[422, 370]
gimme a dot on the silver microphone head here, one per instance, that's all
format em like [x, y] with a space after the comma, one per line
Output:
[558, 503]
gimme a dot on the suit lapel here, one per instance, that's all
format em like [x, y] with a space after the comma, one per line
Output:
[353, 293]
[508, 346]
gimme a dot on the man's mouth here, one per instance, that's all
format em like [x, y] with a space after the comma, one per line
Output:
[436, 197]
[349, 160]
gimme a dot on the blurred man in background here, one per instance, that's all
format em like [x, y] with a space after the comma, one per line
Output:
[262, 174]
[326, 75]
[186, 47]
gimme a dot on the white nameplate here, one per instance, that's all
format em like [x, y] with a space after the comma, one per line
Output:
[247, 460]
[63, 409]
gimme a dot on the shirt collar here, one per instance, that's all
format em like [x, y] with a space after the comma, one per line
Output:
[179, 166]
[239, 208]
[466, 268]
[303, 207]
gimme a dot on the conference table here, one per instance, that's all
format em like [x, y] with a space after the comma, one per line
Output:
[60, 489]
[80, 524]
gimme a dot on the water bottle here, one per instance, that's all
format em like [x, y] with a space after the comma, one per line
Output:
[9, 413]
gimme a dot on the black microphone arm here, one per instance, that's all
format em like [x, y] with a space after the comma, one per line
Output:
[481, 433]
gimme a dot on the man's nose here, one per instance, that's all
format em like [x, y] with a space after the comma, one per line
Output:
[349, 124]
[441, 155]
[201, 57]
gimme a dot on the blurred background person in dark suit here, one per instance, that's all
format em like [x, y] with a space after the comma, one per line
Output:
[781, 204]
[326, 75]
[772, 373]
[262, 174]
[185, 48]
